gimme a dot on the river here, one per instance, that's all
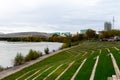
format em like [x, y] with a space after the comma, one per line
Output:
[8, 50]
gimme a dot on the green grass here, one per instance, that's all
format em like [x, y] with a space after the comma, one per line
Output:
[47, 62]
[86, 70]
[32, 76]
[23, 77]
[58, 72]
[104, 68]
[116, 55]
[69, 73]
[41, 77]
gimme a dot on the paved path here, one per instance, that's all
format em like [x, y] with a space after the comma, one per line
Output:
[10, 71]
[94, 69]
[65, 70]
[75, 74]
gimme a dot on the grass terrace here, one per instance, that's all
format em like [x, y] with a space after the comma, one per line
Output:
[105, 67]
[64, 65]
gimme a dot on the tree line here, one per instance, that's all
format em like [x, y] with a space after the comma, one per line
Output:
[89, 35]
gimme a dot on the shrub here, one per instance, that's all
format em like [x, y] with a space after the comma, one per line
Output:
[64, 46]
[75, 43]
[32, 55]
[68, 43]
[40, 53]
[19, 59]
[46, 50]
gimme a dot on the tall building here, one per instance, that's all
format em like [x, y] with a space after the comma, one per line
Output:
[107, 26]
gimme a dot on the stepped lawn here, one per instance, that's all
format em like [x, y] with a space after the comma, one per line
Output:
[42, 69]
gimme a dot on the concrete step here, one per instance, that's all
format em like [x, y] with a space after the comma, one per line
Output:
[109, 78]
[114, 77]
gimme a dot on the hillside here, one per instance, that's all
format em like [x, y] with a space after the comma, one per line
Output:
[26, 34]
[87, 61]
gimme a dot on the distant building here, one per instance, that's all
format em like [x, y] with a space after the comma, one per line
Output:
[57, 33]
[65, 34]
[75, 34]
[107, 26]
[83, 31]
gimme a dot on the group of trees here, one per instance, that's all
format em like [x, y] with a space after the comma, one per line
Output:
[26, 39]
[32, 55]
[90, 34]
[57, 38]
[109, 34]
[20, 59]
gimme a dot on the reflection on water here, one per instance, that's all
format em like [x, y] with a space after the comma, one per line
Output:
[8, 50]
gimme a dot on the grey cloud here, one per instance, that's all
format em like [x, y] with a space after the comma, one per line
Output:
[62, 16]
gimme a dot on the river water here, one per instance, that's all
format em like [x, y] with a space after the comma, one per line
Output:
[8, 50]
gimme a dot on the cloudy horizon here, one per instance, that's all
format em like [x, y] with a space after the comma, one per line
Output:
[57, 15]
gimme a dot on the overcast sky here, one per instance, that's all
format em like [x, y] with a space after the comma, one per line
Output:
[57, 15]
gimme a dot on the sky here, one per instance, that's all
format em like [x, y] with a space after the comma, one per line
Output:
[57, 15]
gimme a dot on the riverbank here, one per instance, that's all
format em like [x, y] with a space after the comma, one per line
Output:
[12, 70]
[8, 50]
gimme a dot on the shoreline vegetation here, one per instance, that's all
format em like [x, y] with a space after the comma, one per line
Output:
[8, 71]
[20, 59]
[33, 55]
